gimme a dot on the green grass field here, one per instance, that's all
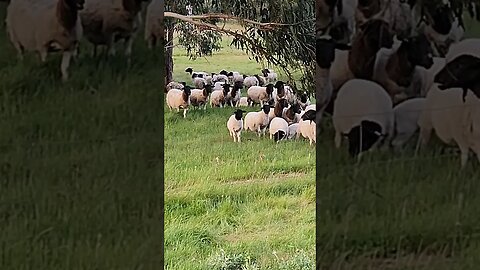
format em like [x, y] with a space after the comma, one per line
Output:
[255, 199]
[80, 163]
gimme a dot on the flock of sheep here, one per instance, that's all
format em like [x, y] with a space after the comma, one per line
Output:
[385, 75]
[285, 113]
[45, 26]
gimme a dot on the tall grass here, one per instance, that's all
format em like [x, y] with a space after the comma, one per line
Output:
[80, 162]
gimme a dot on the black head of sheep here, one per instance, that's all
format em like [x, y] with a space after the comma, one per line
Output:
[462, 72]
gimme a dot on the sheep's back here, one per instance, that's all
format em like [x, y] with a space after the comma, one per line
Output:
[359, 100]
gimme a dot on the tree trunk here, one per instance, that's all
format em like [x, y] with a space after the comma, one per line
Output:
[169, 55]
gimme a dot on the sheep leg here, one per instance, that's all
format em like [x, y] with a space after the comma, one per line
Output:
[338, 139]
[464, 155]
[185, 113]
[238, 137]
[20, 51]
[66, 57]
[43, 55]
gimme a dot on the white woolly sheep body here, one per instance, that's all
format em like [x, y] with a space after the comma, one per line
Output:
[199, 82]
[258, 94]
[219, 78]
[174, 85]
[292, 131]
[406, 114]
[198, 98]
[257, 122]
[308, 130]
[176, 100]
[359, 100]
[470, 46]
[452, 119]
[243, 102]
[235, 127]
[36, 26]
[217, 98]
[340, 71]
[278, 124]
[250, 81]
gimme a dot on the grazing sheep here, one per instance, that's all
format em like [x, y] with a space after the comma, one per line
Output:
[453, 106]
[278, 129]
[199, 97]
[199, 82]
[259, 94]
[395, 69]
[358, 101]
[45, 26]
[105, 22]
[178, 99]
[219, 78]
[235, 125]
[243, 102]
[290, 114]
[217, 98]
[195, 74]
[233, 97]
[406, 114]
[153, 23]
[258, 121]
[307, 126]
[269, 75]
[278, 109]
[175, 85]
[303, 100]
[250, 81]
[218, 86]
[293, 131]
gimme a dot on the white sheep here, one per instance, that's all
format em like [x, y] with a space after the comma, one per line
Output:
[269, 75]
[293, 131]
[259, 94]
[470, 46]
[175, 85]
[154, 23]
[217, 98]
[105, 22]
[406, 114]
[235, 125]
[219, 78]
[258, 121]
[250, 81]
[307, 127]
[453, 106]
[278, 129]
[243, 102]
[199, 82]
[447, 114]
[199, 97]
[45, 25]
[357, 101]
[178, 99]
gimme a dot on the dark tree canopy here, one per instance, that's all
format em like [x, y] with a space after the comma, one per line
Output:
[279, 32]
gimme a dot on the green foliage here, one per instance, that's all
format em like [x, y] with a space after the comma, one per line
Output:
[288, 47]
